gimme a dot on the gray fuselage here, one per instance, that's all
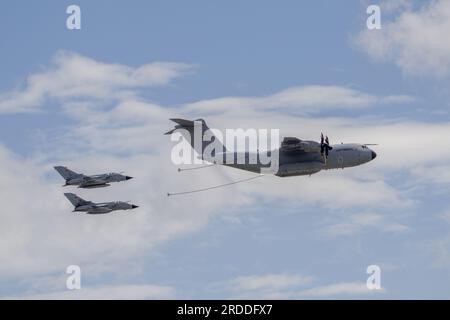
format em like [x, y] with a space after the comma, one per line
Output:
[297, 164]
[96, 181]
[102, 208]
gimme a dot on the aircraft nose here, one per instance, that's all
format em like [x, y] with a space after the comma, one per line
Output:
[374, 155]
[134, 207]
[128, 178]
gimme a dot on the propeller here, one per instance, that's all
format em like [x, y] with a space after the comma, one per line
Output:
[324, 146]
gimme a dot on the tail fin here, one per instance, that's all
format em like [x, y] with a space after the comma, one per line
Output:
[66, 173]
[189, 125]
[76, 200]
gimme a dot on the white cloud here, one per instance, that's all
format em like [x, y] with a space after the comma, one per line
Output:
[120, 292]
[266, 286]
[330, 190]
[268, 282]
[446, 216]
[303, 100]
[129, 137]
[439, 248]
[290, 286]
[74, 76]
[416, 40]
[393, 6]
[357, 223]
[44, 237]
[339, 289]
[432, 174]
[40, 234]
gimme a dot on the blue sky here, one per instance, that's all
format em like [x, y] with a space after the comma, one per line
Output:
[100, 98]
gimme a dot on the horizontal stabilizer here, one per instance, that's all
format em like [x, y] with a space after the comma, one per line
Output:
[183, 123]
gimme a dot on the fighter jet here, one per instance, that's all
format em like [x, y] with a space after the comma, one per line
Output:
[296, 157]
[97, 208]
[88, 182]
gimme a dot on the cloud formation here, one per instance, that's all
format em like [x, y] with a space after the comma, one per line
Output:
[415, 39]
[268, 282]
[120, 292]
[301, 100]
[357, 223]
[73, 76]
[292, 286]
[340, 289]
[126, 133]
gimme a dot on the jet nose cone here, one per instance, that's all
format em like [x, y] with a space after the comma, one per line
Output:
[134, 207]
[128, 178]
[374, 155]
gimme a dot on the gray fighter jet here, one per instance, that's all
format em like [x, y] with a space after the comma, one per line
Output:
[97, 208]
[88, 182]
[296, 157]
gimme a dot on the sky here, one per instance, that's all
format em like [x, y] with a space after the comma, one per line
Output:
[100, 98]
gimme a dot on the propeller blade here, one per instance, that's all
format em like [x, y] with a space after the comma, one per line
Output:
[322, 146]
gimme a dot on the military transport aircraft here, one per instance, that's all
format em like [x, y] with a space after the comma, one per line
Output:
[97, 208]
[95, 181]
[296, 157]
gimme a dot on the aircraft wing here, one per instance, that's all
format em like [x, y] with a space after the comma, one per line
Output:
[100, 208]
[92, 182]
[297, 146]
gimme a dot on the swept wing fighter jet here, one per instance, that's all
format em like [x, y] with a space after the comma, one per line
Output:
[88, 182]
[296, 157]
[97, 208]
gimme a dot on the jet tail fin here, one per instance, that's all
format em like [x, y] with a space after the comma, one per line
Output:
[76, 200]
[66, 173]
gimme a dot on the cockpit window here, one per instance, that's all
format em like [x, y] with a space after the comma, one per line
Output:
[344, 149]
